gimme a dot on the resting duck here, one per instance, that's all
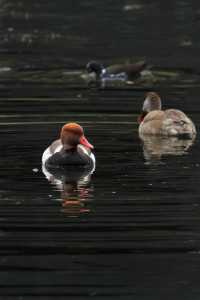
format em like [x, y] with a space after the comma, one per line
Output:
[72, 149]
[170, 122]
[123, 72]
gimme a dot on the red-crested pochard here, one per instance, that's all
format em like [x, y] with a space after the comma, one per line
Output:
[71, 149]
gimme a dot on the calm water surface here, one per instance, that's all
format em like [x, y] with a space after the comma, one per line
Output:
[131, 229]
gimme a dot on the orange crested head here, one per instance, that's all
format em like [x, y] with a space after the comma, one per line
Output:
[72, 128]
[72, 134]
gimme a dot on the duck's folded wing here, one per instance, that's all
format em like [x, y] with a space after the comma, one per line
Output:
[176, 115]
[130, 69]
[135, 69]
[56, 146]
[177, 121]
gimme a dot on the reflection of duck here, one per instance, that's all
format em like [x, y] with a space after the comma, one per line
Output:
[119, 72]
[170, 122]
[74, 186]
[71, 149]
[154, 147]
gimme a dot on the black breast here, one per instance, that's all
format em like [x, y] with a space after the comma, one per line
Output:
[69, 157]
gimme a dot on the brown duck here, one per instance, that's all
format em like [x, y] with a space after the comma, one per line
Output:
[170, 122]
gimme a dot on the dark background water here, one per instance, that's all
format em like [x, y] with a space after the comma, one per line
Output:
[132, 231]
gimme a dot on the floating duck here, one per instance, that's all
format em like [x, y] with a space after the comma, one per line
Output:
[72, 149]
[170, 122]
[120, 72]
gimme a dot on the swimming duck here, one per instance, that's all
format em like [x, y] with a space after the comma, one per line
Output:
[170, 122]
[72, 149]
[123, 72]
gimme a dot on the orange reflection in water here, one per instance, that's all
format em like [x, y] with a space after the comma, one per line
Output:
[75, 189]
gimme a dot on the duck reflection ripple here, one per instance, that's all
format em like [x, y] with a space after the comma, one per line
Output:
[75, 187]
[156, 147]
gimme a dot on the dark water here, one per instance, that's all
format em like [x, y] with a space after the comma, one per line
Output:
[131, 231]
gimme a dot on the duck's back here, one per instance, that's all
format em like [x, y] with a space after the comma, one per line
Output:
[171, 122]
[131, 69]
[177, 123]
[176, 115]
[74, 157]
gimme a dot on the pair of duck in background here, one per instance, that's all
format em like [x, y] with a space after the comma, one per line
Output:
[73, 149]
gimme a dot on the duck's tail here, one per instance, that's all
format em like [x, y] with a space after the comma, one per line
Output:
[181, 129]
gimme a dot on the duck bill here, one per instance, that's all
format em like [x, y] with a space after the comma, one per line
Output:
[141, 117]
[83, 141]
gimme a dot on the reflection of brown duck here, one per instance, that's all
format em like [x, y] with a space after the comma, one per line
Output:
[170, 122]
[154, 147]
